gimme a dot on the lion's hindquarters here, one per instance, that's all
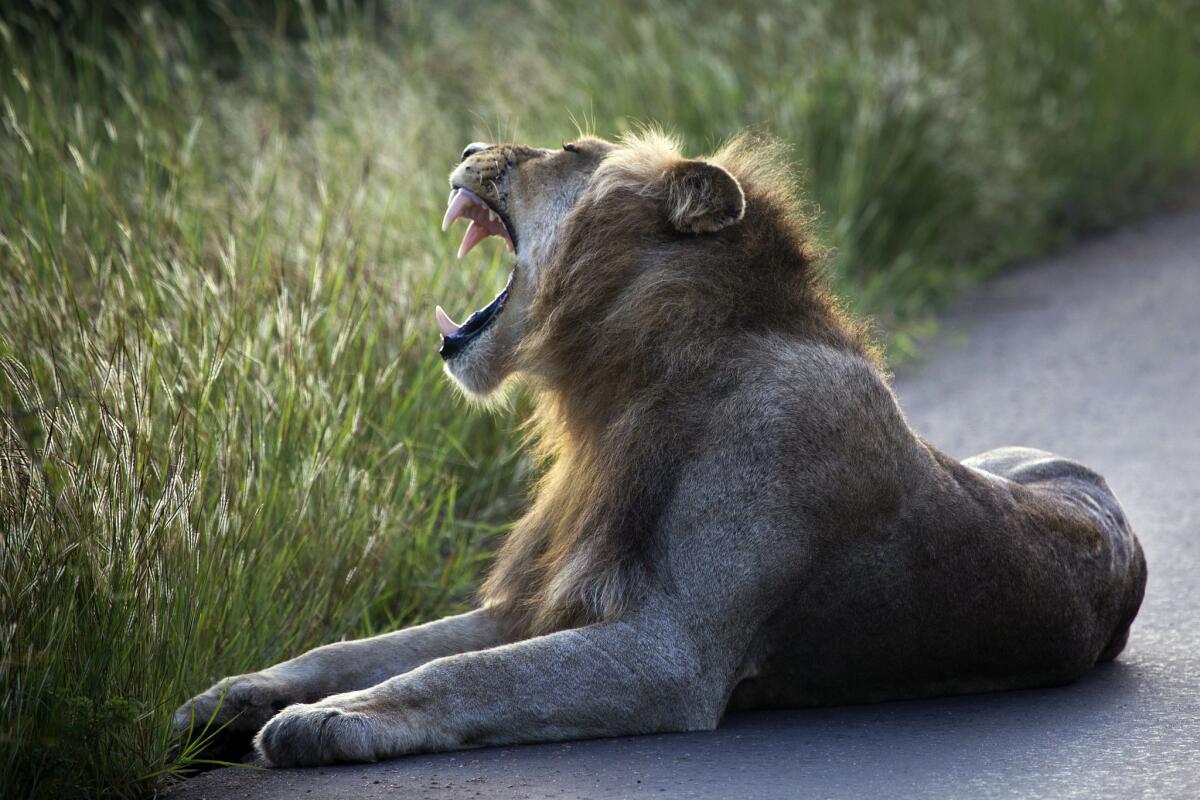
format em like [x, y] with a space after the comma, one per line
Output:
[1072, 501]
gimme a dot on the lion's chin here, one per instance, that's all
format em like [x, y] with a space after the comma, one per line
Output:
[475, 369]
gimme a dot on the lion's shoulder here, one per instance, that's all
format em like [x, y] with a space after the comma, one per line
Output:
[803, 422]
[807, 387]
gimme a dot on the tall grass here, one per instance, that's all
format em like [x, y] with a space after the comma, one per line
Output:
[225, 437]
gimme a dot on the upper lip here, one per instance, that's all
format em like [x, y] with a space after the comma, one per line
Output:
[484, 218]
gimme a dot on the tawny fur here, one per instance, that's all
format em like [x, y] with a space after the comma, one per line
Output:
[733, 510]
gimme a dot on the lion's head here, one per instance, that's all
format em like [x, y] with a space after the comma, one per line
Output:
[560, 208]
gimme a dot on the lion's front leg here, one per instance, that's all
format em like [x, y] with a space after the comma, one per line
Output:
[240, 705]
[603, 680]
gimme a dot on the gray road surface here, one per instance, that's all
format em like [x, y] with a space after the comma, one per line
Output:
[1094, 354]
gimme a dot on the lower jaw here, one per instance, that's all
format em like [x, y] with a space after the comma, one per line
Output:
[478, 323]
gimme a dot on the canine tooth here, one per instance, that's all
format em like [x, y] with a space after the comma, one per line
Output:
[459, 201]
[475, 234]
[446, 325]
[492, 215]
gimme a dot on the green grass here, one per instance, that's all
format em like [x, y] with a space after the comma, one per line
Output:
[226, 437]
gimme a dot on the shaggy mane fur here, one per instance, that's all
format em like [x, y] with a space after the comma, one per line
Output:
[632, 339]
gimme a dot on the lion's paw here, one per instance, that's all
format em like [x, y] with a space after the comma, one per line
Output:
[311, 735]
[239, 704]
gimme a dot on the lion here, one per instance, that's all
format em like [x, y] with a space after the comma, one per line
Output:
[733, 512]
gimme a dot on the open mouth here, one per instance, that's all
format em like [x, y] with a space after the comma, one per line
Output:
[485, 222]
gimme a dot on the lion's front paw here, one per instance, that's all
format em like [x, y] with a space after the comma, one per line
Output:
[229, 713]
[310, 735]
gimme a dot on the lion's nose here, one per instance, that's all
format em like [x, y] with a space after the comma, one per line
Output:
[473, 148]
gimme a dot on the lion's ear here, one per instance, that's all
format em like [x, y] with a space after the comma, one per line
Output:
[701, 197]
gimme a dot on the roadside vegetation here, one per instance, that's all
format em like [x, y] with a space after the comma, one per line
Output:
[225, 436]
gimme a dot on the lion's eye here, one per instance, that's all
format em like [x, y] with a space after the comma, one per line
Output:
[570, 148]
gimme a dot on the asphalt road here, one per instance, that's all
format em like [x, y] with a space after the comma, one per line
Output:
[1094, 354]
